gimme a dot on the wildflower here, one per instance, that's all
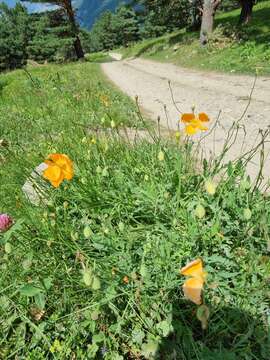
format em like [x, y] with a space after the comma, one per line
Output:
[200, 211]
[210, 187]
[161, 156]
[194, 124]
[125, 279]
[105, 100]
[5, 222]
[194, 284]
[56, 346]
[60, 167]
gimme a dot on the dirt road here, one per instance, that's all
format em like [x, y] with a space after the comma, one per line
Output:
[219, 95]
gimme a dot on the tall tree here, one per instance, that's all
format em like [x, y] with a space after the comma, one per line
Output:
[50, 38]
[70, 13]
[14, 33]
[208, 13]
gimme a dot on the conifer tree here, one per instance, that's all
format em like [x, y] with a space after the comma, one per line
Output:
[66, 5]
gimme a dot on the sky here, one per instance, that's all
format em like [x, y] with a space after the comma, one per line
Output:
[30, 7]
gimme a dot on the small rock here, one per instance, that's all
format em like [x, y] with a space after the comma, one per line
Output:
[33, 188]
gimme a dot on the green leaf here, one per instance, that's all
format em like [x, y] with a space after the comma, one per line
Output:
[92, 351]
[48, 282]
[149, 349]
[87, 232]
[29, 290]
[164, 327]
[96, 283]
[98, 338]
[203, 314]
[87, 277]
[137, 336]
[40, 300]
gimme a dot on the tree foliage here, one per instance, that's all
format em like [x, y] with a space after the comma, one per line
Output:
[67, 7]
[50, 38]
[115, 29]
[13, 36]
[37, 36]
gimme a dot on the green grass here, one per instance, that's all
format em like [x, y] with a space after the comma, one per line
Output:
[249, 54]
[98, 57]
[127, 220]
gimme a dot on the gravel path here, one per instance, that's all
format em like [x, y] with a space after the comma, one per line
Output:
[209, 92]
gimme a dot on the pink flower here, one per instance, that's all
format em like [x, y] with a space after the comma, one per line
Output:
[5, 222]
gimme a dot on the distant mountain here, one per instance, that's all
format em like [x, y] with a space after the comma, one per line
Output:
[88, 10]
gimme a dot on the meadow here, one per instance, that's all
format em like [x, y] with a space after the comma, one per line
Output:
[231, 48]
[93, 270]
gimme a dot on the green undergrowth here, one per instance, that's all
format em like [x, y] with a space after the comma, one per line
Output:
[230, 49]
[93, 271]
[98, 57]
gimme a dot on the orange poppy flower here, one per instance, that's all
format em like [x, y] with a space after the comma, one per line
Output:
[193, 123]
[60, 167]
[194, 284]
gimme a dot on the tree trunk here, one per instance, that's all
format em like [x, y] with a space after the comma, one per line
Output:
[74, 28]
[209, 9]
[246, 12]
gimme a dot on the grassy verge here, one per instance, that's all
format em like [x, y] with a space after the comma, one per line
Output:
[230, 50]
[98, 57]
[94, 272]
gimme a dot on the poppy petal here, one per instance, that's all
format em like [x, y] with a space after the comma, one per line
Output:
[187, 118]
[54, 175]
[203, 117]
[64, 163]
[191, 130]
[193, 290]
[194, 268]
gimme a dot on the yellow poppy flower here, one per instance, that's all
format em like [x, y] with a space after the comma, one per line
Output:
[60, 167]
[194, 284]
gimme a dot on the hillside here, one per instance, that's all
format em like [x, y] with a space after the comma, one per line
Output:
[89, 11]
[231, 50]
